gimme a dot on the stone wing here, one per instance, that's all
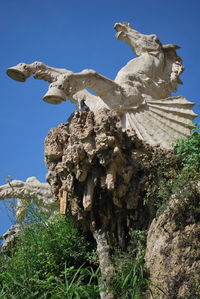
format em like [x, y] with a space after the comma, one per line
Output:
[161, 122]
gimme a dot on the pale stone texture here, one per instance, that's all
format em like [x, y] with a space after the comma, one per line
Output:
[9, 238]
[99, 176]
[27, 193]
[173, 251]
[140, 93]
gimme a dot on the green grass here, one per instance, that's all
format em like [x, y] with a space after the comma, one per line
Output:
[188, 150]
[50, 260]
[131, 278]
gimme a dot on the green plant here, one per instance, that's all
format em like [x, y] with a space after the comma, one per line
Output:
[176, 173]
[74, 286]
[131, 278]
[187, 150]
[51, 259]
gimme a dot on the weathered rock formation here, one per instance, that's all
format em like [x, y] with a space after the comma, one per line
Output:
[96, 170]
[173, 250]
[100, 173]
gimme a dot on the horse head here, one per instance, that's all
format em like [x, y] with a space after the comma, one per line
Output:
[140, 43]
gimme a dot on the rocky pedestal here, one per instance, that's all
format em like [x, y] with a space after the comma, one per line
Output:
[96, 171]
[100, 173]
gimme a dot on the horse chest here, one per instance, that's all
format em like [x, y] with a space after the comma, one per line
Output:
[142, 65]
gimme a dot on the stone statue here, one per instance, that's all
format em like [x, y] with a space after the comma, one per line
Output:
[140, 93]
[29, 192]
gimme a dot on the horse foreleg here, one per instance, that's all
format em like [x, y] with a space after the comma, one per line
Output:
[22, 71]
[65, 83]
[70, 83]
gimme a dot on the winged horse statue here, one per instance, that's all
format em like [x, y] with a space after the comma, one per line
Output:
[140, 93]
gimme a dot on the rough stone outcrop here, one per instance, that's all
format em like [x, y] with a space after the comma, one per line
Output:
[173, 251]
[96, 171]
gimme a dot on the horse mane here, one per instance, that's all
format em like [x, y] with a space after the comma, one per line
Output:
[174, 65]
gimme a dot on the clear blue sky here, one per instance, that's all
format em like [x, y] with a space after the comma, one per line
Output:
[76, 34]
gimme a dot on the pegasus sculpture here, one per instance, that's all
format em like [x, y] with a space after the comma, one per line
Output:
[140, 93]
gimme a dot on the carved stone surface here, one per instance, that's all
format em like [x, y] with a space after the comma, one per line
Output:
[140, 93]
[28, 192]
[9, 238]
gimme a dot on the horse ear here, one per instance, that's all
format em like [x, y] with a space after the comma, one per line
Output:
[179, 81]
[177, 47]
[153, 36]
[170, 47]
[155, 39]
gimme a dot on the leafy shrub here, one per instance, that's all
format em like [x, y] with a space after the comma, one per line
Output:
[50, 260]
[188, 150]
[176, 173]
